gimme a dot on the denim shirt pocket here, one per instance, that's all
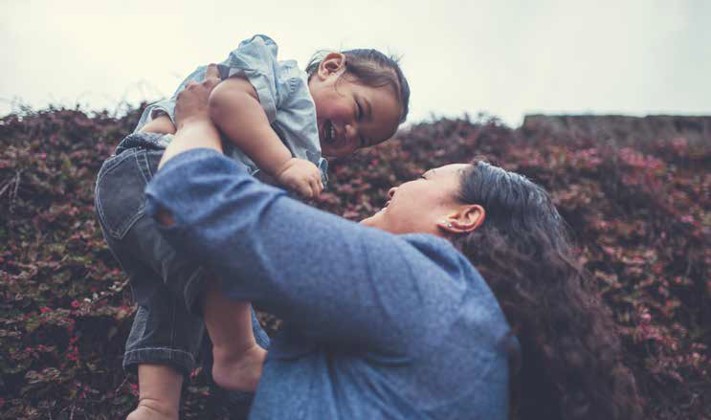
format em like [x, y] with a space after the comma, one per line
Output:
[120, 186]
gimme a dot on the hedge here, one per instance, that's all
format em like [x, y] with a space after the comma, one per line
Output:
[638, 205]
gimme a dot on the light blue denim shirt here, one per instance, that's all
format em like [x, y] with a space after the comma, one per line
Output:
[283, 92]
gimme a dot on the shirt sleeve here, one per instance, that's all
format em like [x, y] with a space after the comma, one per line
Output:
[256, 60]
[333, 279]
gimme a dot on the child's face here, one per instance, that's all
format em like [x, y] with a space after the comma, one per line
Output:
[350, 115]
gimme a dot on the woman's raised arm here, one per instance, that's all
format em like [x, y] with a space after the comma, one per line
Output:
[334, 278]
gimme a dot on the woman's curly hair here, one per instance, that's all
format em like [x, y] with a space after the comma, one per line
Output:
[571, 356]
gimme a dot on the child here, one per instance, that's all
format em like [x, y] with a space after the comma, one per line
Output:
[278, 121]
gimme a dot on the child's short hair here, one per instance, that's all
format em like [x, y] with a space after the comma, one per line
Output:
[374, 69]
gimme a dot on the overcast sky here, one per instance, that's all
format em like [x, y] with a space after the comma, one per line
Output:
[506, 58]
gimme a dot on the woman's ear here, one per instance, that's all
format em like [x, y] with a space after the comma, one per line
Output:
[332, 63]
[466, 219]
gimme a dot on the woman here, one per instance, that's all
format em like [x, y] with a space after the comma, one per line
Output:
[389, 318]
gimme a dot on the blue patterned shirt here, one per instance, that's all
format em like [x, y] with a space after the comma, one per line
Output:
[376, 325]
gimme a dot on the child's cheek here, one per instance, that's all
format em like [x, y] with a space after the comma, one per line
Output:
[340, 109]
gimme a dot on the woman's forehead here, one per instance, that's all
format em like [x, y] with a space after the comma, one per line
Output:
[451, 169]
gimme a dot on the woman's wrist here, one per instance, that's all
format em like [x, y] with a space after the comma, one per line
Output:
[193, 134]
[203, 126]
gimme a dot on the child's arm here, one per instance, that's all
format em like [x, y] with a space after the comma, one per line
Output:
[161, 124]
[235, 109]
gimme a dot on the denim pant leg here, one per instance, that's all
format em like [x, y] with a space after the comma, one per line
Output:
[164, 330]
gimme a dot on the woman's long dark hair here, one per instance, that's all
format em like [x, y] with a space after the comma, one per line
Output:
[571, 357]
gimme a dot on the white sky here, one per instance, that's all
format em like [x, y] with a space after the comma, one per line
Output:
[505, 58]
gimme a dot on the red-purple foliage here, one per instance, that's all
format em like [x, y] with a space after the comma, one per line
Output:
[639, 209]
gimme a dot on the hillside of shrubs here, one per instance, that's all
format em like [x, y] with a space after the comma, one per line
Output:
[637, 200]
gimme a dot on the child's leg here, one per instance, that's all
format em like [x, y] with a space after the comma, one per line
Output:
[159, 389]
[237, 359]
[164, 337]
[162, 345]
[161, 125]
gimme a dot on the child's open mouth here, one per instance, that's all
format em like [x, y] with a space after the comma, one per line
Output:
[329, 132]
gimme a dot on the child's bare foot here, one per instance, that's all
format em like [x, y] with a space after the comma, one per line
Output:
[238, 371]
[153, 410]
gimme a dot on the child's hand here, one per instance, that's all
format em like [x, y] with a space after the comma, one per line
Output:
[301, 176]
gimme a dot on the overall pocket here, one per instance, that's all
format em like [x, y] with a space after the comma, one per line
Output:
[120, 186]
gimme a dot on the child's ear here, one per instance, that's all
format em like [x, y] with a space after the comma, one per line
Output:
[332, 63]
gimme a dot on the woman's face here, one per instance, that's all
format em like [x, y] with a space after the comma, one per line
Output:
[420, 205]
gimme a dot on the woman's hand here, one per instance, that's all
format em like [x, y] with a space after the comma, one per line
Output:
[192, 105]
[195, 130]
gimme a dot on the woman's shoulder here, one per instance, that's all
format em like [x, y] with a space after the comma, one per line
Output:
[460, 276]
[459, 317]
[478, 303]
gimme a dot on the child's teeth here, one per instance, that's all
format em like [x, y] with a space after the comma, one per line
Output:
[333, 133]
